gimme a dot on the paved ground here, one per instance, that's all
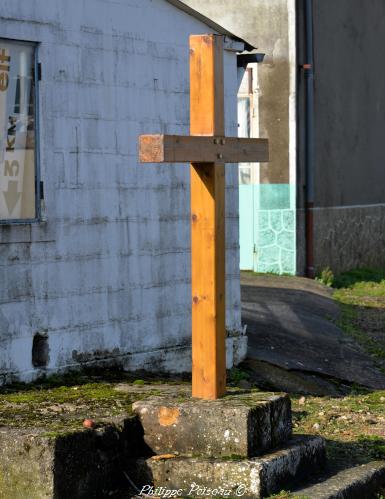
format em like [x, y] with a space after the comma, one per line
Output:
[291, 326]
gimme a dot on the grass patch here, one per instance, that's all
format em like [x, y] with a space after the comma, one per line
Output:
[361, 294]
[356, 276]
[352, 322]
[354, 426]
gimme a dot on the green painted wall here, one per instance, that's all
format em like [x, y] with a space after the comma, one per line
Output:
[268, 228]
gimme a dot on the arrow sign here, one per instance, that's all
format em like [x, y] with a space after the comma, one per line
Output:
[11, 196]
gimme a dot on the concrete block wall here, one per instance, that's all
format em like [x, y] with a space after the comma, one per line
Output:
[349, 214]
[107, 276]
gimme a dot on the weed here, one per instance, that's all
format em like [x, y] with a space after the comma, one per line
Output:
[326, 277]
[236, 375]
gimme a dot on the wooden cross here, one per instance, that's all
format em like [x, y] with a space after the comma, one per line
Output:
[207, 149]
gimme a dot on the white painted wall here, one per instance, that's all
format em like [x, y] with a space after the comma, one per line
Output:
[108, 275]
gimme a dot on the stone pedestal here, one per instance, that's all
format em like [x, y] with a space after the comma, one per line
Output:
[243, 425]
[249, 478]
[239, 445]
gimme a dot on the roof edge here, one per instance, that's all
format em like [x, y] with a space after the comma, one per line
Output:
[212, 24]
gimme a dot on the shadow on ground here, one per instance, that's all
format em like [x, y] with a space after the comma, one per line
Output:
[294, 341]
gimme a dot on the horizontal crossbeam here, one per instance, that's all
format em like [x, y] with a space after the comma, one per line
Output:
[201, 149]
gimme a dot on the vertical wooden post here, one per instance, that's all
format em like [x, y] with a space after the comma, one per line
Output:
[208, 222]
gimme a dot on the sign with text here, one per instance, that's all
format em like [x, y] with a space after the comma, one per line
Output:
[17, 130]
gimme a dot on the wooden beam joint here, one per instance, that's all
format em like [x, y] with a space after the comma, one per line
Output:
[201, 149]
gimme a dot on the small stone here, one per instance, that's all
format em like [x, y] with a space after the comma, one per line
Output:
[69, 407]
[316, 426]
[89, 423]
[382, 399]
[321, 414]
[55, 408]
[302, 401]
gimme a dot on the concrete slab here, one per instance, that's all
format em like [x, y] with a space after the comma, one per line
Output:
[82, 464]
[271, 377]
[360, 482]
[242, 424]
[290, 324]
[252, 478]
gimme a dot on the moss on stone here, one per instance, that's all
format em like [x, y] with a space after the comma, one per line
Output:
[287, 495]
[62, 408]
[59, 404]
[232, 457]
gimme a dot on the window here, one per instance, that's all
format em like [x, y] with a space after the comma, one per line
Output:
[245, 118]
[18, 166]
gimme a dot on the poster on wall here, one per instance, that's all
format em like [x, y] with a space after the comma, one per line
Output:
[17, 131]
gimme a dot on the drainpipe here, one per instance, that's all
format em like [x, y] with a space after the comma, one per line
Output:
[309, 140]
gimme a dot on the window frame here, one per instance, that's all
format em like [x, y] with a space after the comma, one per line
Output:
[37, 218]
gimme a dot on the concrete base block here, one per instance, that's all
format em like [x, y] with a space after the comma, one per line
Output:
[240, 424]
[252, 478]
[78, 465]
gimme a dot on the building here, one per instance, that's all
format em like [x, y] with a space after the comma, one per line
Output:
[318, 96]
[95, 248]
